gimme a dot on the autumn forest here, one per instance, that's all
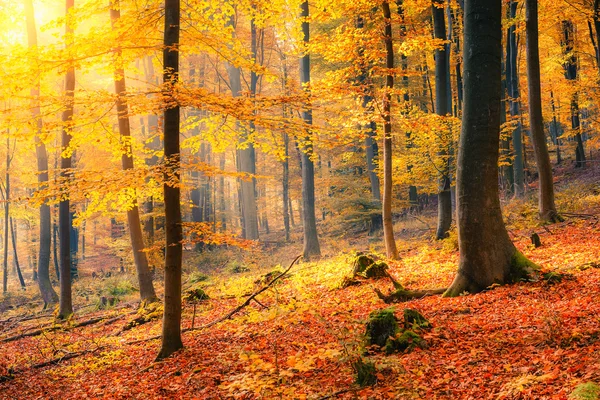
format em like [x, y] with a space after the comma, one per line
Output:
[300, 199]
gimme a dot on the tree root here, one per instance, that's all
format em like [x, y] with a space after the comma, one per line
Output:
[401, 295]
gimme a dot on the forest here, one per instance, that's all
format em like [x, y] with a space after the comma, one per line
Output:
[300, 199]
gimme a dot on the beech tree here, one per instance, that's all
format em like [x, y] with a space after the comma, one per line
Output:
[171, 326]
[487, 254]
[388, 224]
[311, 239]
[547, 209]
[147, 293]
[64, 207]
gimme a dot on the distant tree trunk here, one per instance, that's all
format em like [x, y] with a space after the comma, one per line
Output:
[442, 95]
[571, 67]
[547, 209]
[388, 224]
[512, 80]
[13, 233]
[507, 169]
[153, 134]
[147, 293]
[487, 255]
[596, 17]
[43, 264]
[556, 129]
[222, 205]
[6, 216]
[55, 249]
[171, 328]
[285, 163]
[311, 239]
[64, 208]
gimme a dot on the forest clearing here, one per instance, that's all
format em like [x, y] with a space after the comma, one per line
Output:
[287, 199]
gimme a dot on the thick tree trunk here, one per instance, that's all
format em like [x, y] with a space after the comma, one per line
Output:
[547, 209]
[43, 264]
[311, 239]
[512, 80]
[596, 17]
[388, 224]
[147, 293]
[442, 97]
[171, 327]
[487, 255]
[64, 207]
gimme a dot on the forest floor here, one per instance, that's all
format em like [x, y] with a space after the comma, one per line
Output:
[531, 340]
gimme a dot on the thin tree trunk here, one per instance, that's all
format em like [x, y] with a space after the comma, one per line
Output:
[388, 224]
[13, 233]
[6, 216]
[442, 94]
[556, 129]
[547, 209]
[43, 262]
[171, 328]
[64, 208]
[147, 293]
[153, 133]
[487, 255]
[311, 239]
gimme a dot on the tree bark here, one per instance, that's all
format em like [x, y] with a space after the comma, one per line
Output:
[388, 224]
[171, 327]
[442, 97]
[13, 234]
[6, 217]
[571, 67]
[487, 255]
[512, 79]
[64, 207]
[547, 209]
[311, 239]
[147, 293]
[43, 265]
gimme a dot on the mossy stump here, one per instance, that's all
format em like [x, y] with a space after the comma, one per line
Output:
[196, 295]
[362, 262]
[415, 320]
[382, 330]
[381, 326]
[366, 373]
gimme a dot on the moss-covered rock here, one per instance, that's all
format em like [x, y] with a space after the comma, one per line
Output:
[415, 320]
[366, 373]
[381, 326]
[376, 270]
[196, 295]
[405, 341]
[362, 262]
[586, 391]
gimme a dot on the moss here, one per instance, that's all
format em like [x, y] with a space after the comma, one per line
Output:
[381, 326]
[553, 277]
[376, 270]
[196, 295]
[197, 276]
[365, 373]
[406, 341]
[586, 391]
[362, 262]
[522, 269]
[415, 320]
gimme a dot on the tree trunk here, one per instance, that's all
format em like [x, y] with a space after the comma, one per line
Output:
[171, 328]
[43, 265]
[147, 293]
[64, 208]
[153, 134]
[311, 239]
[596, 17]
[512, 80]
[442, 95]
[388, 224]
[547, 209]
[487, 255]
[6, 217]
[13, 233]
[571, 68]
[555, 129]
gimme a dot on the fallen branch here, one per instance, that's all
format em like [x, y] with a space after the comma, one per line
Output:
[405, 295]
[248, 300]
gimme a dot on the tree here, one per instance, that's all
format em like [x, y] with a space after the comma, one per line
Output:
[43, 263]
[547, 209]
[442, 108]
[64, 207]
[147, 293]
[512, 83]
[311, 239]
[487, 254]
[388, 225]
[171, 326]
